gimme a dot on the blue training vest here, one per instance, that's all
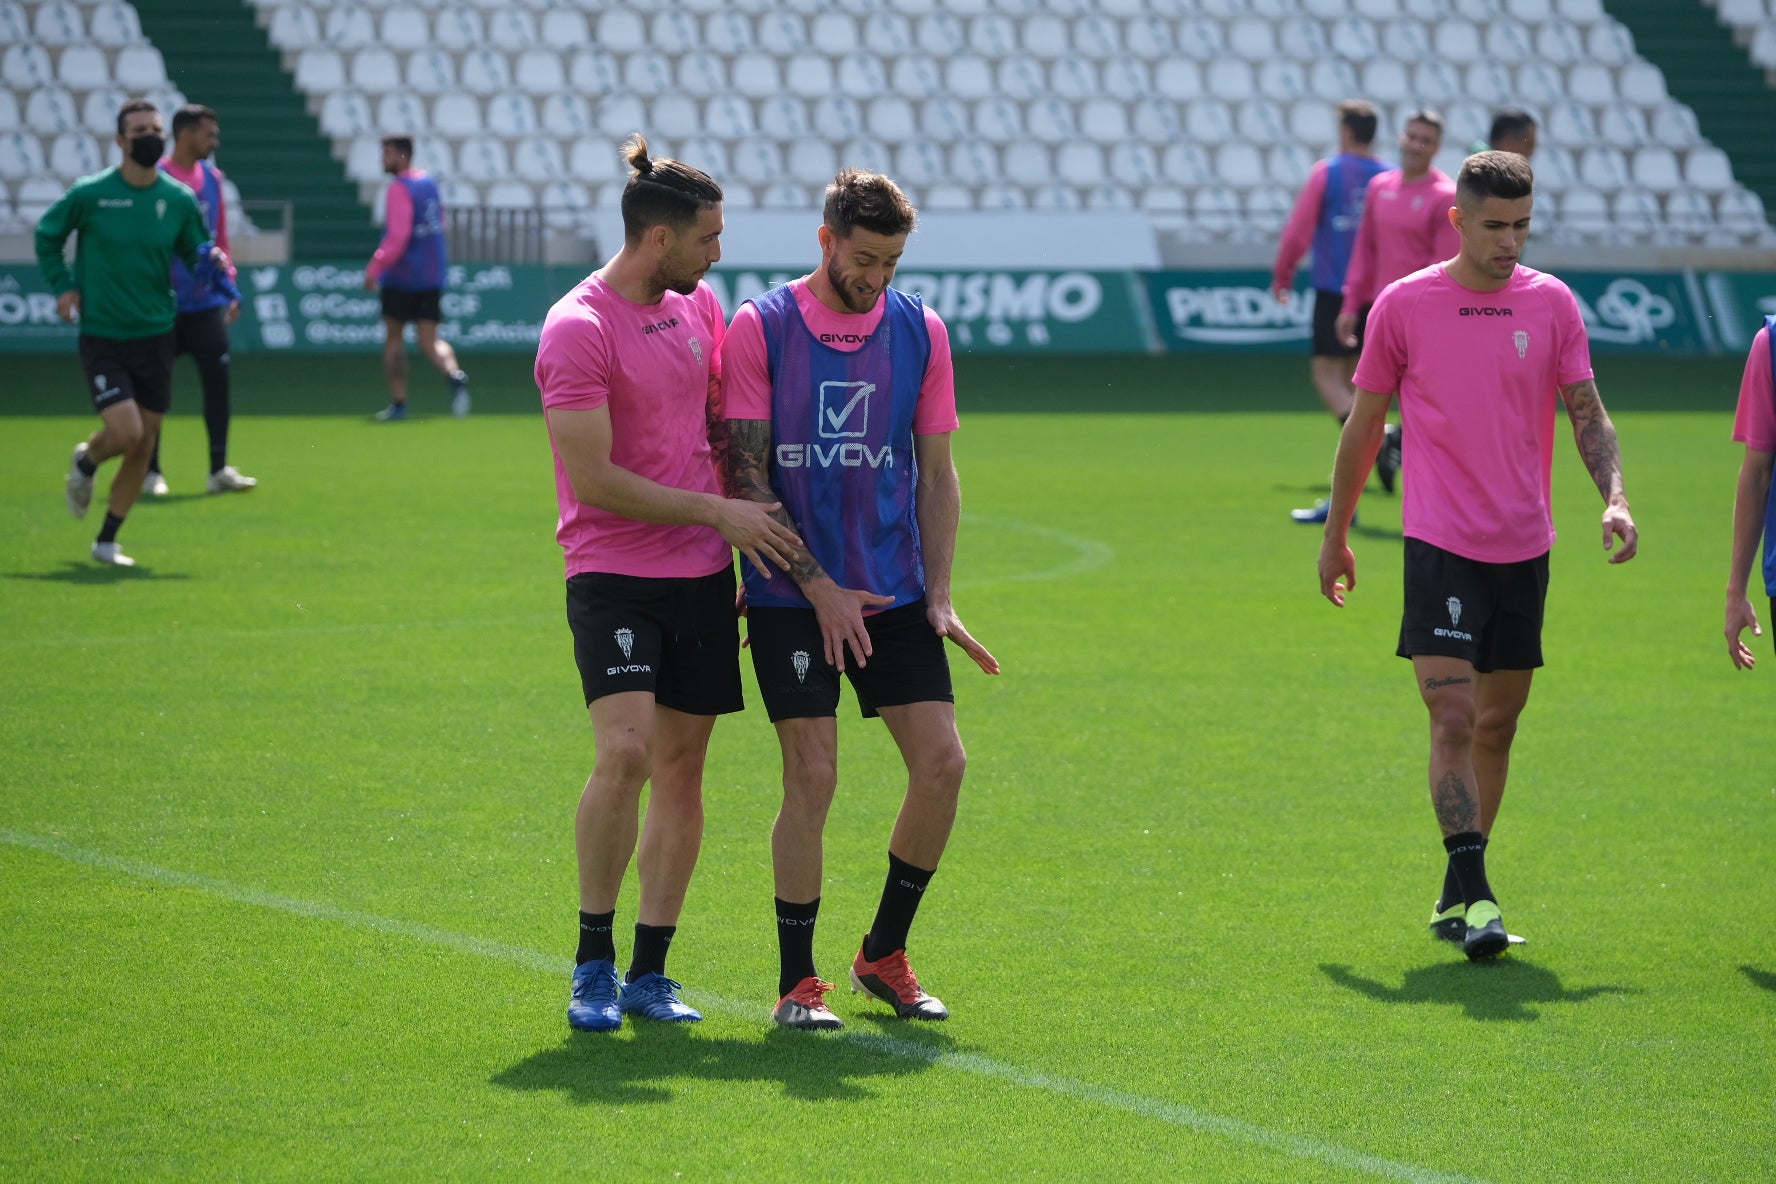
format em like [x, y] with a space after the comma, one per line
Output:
[1341, 209]
[199, 293]
[1770, 502]
[843, 461]
[421, 266]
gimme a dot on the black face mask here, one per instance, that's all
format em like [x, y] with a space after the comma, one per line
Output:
[146, 150]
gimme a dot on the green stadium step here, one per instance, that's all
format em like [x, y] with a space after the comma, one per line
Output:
[1705, 68]
[272, 148]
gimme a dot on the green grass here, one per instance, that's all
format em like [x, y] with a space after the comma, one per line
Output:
[286, 874]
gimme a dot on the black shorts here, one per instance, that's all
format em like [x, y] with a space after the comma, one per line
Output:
[122, 369]
[202, 334]
[678, 639]
[405, 304]
[908, 664]
[1489, 614]
[1325, 339]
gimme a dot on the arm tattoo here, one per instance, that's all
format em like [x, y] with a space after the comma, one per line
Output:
[744, 475]
[1596, 436]
[716, 427]
[1456, 808]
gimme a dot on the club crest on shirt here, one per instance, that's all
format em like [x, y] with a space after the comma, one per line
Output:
[696, 349]
[160, 208]
[1521, 340]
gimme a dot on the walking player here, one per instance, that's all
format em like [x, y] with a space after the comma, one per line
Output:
[627, 370]
[841, 399]
[1477, 350]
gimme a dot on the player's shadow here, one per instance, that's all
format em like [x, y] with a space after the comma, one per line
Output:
[645, 1063]
[1759, 978]
[73, 572]
[167, 499]
[1504, 989]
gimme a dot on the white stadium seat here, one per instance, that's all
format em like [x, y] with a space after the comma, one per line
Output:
[1240, 164]
[485, 72]
[1655, 169]
[293, 28]
[727, 31]
[1457, 42]
[1051, 121]
[1591, 82]
[458, 29]
[1570, 123]
[1708, 169]
[349, 27]
[564, 29]
[1080, 163]
[1045, 36]
[512, 29]
[483, 159]
[812, 162]
[1332, 79]
[1738, 210]
[431, 72]
[621, 30]
[619, 116]
[1057, 197]
[51, 109]
[375, 71]
[363, 159]
[1156, 121]
[1623, 126]
[1178, 79]
[1407, 42]
[1253, 38]
[456, 115]
[1584, 214]
[755, 75]
[594, 72]
[1674, 125]
[26, 66]
[809, 75]
[1642, 83]
[98, 110]
[512, 115]
[866, 152]
[648, 74]
[1262, 122]
[1354, 39]
[943, 119]
[346, 113]
[319, 70]
[675, 31]
[783, 117]
[75, 154]
[1135, 165]
[1288, 165]
[15, 23]
[939, 34]
[1609, 42]
[560, 196]
[706, 153]
[837, 117]
[35, 196]
[1203, 40]
[403, 28]
[1385, 80]
[674, 116]
[1186, 164]
[1027, 163]
[1603, 168]
[1689, 212]
[729, 118]
[1231, 80]
[892, 119]
[834, 33]
[565, 115]
[595, 162]
[538, 159]
[58, 23]
[115, 25]
[759, 162]
[974, 162]
[702, 75]
[539, 72]
[998, 120]
[401, 114]
[1074, 77]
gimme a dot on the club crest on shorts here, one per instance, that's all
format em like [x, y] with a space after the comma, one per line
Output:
[1521, 340]
[1455, 611]
[625, 641]
[799, 660]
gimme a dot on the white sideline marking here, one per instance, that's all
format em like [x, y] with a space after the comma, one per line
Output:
[1090, 556]
[1171, 1113]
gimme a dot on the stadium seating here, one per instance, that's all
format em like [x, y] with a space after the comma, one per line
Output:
[1204, 114]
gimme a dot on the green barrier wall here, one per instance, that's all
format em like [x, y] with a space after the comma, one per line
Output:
[323, 307]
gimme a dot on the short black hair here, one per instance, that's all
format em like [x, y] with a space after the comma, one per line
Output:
[130, 108]
[1512, 122]
[190, 115]
[662, 191]
[401, 144]
[1494, 174]
[1360, 118]
[870, 200]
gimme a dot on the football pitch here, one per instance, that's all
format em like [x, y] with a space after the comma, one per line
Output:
[286, 865]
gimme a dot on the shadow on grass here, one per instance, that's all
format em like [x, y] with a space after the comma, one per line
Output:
[641, 1063]
[1497, 990]
[74, 572]
[1759, 978]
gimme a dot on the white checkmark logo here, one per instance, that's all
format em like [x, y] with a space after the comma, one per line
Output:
[836, 419]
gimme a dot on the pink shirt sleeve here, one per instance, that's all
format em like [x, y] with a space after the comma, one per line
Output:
[935, 413]
[1359, 276]
[396, 233]
[746, 367]
[573, 364]
[1575, 346]
[1298, 232]
[1755, 424]
[1383, 362]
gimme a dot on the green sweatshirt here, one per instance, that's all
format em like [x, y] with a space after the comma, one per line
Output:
[123, 262]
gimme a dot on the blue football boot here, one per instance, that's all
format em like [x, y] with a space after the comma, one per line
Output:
[593, 1005]
[655, 997]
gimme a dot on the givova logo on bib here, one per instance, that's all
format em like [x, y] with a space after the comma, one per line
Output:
[843, 409]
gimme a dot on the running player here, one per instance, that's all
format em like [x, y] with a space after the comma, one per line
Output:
[1325, 218]
[841, 399]
[627, 367]
[1405, 227]
[410, 267]
[205, 311]
[132, 221]
[1477, 350]
[1754, 507]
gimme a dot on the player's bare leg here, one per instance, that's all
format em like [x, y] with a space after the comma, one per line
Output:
[1332, 378]
[1449, 688]
[126, 487]
[926, 735]
[672, 832]
[605, 824]
[810, 776]
[394, 366]
[1501, 697]
[437, 351]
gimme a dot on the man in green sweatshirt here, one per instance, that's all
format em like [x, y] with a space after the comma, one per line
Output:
[132, 220]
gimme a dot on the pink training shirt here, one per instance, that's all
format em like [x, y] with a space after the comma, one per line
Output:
[746, 371]
[1755, 424]
[655, 366]
[396, 230]
[1405, 227]
[192, 179]
[1478, 375]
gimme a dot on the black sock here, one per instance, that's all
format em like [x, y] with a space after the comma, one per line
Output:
[651, 942]
[87, 465]
[795, 942]
[1342, 418]
[595, 937]
[1452, 885]
[154, 458]
[901, 895]
[108, 532]
[1467, 855]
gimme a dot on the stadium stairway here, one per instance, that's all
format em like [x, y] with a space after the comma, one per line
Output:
[272, 148]
[1705, 68]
